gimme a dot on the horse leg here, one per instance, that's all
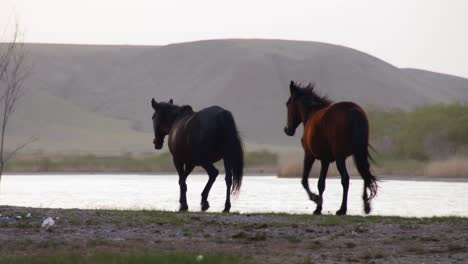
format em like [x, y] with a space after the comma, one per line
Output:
[321, 185]
[212, 174]
[365, 198]
[228, 178]
[183, 174]
[341, 165]
[308, 162]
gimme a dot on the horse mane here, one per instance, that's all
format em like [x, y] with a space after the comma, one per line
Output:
[186, 109]
[311, 99]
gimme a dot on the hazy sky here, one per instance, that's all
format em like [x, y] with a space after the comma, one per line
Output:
[428, 34]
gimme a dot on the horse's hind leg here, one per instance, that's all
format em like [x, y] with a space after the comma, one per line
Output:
[341, 165]
[212, 174]
[321, 186]
[183, 174]
[228, 178]
[308, 162]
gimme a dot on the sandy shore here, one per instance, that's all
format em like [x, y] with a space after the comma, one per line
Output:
[263, 238]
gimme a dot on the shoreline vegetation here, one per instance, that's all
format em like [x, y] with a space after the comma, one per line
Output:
[262, 161]
[136, 236]
[257, 162]
[430, 141]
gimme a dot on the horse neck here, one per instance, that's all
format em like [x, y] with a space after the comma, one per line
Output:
[180, 120]
[182, 115]
[307, 113]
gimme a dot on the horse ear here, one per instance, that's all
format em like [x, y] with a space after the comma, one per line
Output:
[171, 102]
[292, 87]
[154, 104]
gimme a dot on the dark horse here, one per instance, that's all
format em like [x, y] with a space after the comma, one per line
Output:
[200, 139]
[332, 132]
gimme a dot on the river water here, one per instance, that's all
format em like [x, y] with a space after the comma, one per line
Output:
[258, 194]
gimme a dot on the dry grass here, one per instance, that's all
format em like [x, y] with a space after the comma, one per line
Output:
[291, 165]
[258, 161]
[453, 168]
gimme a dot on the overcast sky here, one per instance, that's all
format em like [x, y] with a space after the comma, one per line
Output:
[427, 34]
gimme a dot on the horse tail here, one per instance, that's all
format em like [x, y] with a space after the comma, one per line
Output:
[371, 158]
[360, 143]
[233, 151]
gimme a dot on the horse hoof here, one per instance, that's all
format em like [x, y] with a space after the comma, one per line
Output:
[226, 210]
[318, 211]
[367, 208]
[205, 206]
[341, 212]
[183, 208]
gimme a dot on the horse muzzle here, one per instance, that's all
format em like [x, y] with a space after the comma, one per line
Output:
[289, 132]
[158, 144]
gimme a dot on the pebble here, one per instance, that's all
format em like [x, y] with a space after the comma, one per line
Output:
[48, 222]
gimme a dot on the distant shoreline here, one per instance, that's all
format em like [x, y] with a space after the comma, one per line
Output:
[266, 174]
[260, 163]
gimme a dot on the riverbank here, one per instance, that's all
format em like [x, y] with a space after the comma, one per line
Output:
[256, 162]
[455, 167]
[258, 238]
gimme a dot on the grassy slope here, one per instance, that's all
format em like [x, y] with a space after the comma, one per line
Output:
[428, 132]
[62, 126]
[107, 89]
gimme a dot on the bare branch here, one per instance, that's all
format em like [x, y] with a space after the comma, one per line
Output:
[5, 56]
[20, 147]
[14, 79]
[13, 72]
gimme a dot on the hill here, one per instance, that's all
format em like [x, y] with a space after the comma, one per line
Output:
[96, 98]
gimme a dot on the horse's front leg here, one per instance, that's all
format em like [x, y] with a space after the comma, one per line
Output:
[321, 185]
[308, 162]
[212, 174]
[183, 174]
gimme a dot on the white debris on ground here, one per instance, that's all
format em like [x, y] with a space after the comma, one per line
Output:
[48, 222]
[18, 217]
[199, 258]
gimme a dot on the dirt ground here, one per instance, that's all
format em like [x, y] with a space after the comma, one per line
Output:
[263, 238]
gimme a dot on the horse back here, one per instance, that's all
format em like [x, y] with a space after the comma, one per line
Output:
[327, 133]
[197, 139]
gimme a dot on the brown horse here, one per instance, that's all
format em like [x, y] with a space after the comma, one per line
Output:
[332, 132]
